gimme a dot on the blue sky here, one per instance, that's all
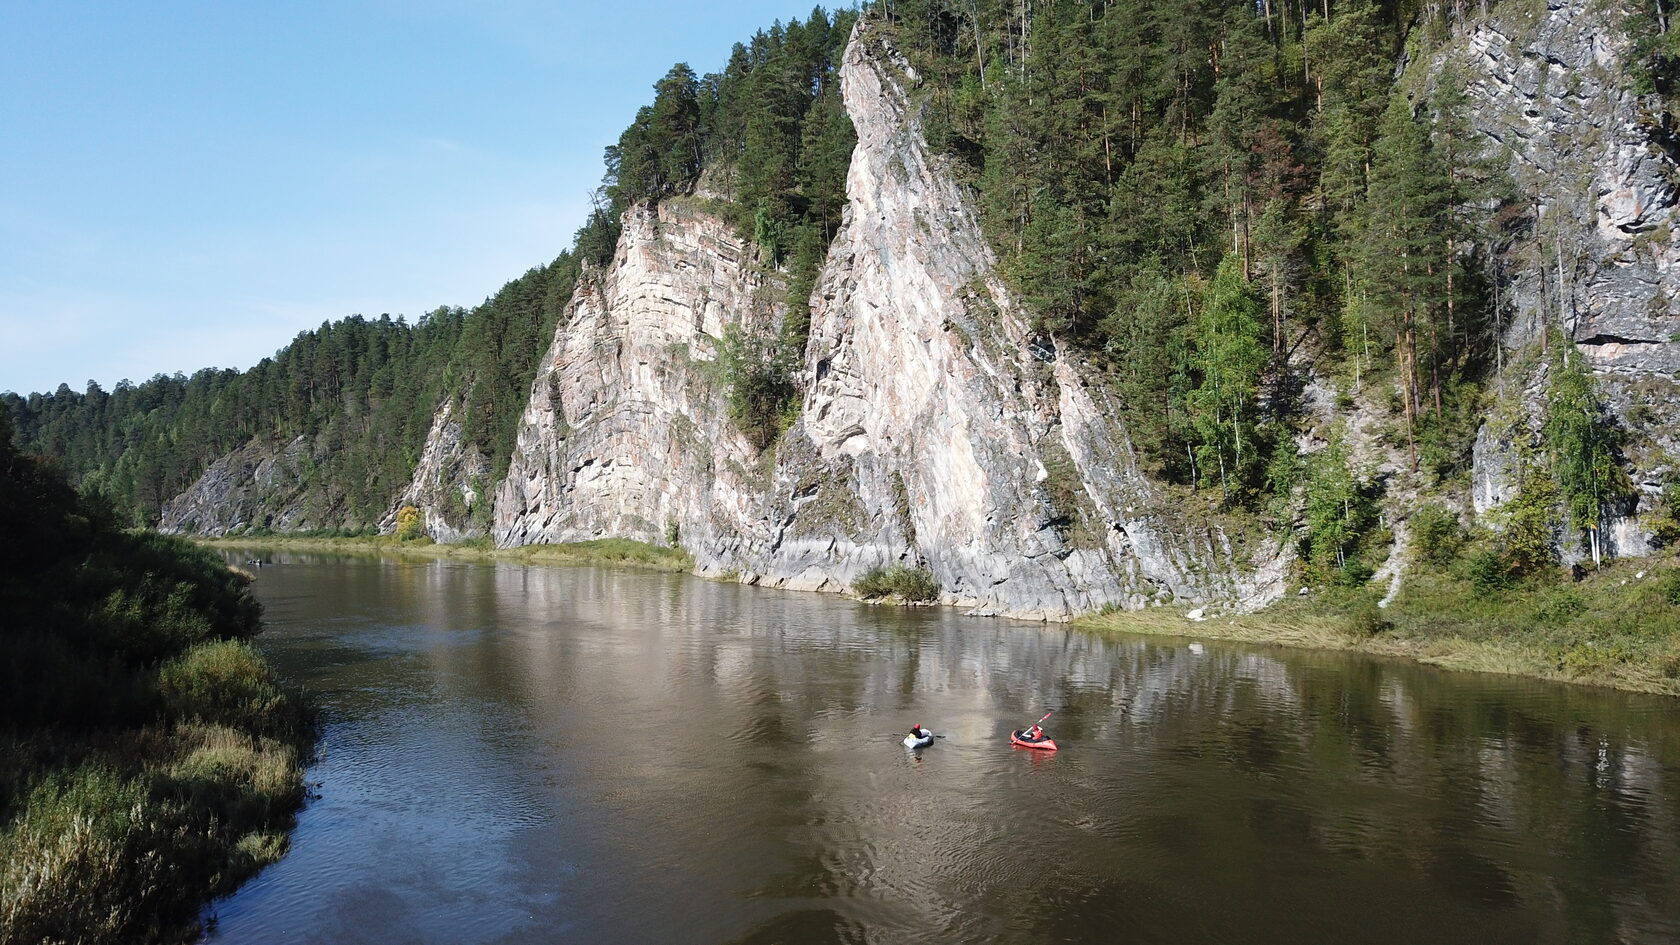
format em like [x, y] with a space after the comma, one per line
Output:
[186, 185]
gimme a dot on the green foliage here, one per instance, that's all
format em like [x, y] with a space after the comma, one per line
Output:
[361, 392]
[225, 682]
[1437, 535]
[1529, 539]
[908, 584]
[148, 759]
[1341, 516]
[1127, 155]
[1583, 445]
[1665, 519]
[1488, 571]
[1656, 58]
[1361, 613]
[1671, 587]
[758, 380]
[1229, 358]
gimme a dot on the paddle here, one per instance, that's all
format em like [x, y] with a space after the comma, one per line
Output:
[1039, 722]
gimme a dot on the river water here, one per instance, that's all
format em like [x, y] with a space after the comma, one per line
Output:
[544, 754]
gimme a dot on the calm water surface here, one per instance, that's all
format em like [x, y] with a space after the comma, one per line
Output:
[524, 754]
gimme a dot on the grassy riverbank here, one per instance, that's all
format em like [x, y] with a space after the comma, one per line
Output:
[149, 758]
[1619, 627]
[613, 551]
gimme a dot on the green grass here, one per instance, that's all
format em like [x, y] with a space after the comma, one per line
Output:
[911, 585]
[1620, 627]
[615, 551]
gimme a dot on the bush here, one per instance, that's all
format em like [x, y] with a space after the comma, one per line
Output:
[758, 378]
[1437, 535]
[248, 784]
[1362, 617]
[227, 683]
[1488, 571]
[1559, 605]
[410, 524]
[908, 584]
[96, 858]
[1671, 587]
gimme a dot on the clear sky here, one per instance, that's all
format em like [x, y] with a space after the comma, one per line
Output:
[187, 185]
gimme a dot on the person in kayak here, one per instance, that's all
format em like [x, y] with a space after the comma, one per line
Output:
[918, 733]
[1034, 734]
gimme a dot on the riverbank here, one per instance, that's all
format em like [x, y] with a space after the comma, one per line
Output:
[150, 760]
[610, 551]
[1618, 628]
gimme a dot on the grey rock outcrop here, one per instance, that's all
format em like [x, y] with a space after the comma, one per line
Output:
[625, 435]
[937, 428]
[1552, 95]
[258, 485]
[449, 483]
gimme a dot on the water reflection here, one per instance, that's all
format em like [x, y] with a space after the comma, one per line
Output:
[588, 755]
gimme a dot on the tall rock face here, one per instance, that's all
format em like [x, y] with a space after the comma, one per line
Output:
[625, 435]
[449, 483]
[935, 429]
[1552, 95]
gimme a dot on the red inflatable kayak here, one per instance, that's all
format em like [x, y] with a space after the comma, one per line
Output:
[1042, 744]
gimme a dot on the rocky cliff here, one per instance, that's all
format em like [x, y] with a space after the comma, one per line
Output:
[261, 484]
[449, 483]
[934, 431]
[1553, 99]
[937, 429]
[625, 433]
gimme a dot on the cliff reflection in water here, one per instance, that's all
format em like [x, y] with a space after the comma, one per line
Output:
[591, 755]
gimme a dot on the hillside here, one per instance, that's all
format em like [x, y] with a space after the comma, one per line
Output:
[1092, 305]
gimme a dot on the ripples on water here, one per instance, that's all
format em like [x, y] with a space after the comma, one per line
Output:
[547, 754]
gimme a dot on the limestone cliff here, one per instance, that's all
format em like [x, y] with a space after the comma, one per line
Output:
[261, 484]
[1553, 98]
[625, 434]
[935, 430]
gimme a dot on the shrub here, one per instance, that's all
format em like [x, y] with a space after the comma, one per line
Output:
[410, 524]
[908, 584]
[1437, 535]
[96, 858]
[227, 683]
[1362, 616]
[248, 784]
[1671, 587]
[758, 378]
[1487, 571]
[1559, 605]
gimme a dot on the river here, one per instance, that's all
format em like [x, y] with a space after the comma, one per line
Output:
[550, 754]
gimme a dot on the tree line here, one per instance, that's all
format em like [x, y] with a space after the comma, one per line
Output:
[363, 390]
